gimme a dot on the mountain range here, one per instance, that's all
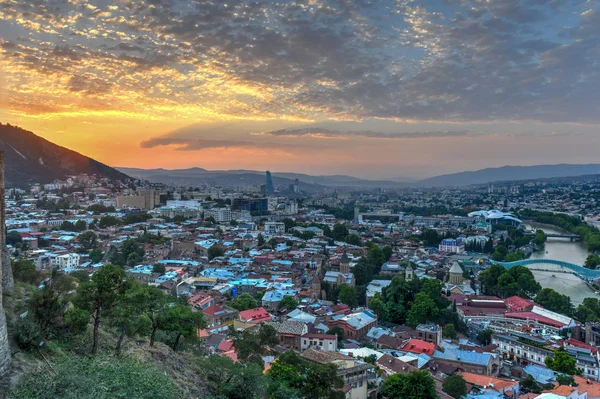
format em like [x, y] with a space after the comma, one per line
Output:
[29, 158]
[510, 173]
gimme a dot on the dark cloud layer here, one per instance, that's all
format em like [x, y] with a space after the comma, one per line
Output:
[458, 60]
[329, 133]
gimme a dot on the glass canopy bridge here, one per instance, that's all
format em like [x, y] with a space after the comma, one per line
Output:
[582, 272]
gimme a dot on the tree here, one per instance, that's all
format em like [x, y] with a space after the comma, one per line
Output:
[225, 379]
[288, 302]
[540, 238]
[80, 275]
[293, 377]
[88, 240]
[109, 221]
[182, 322]
[528, 384]
[100, 294]
[96, 255]
[250, 346]
[13, 238]
[261, 240]
[159, 268]
[564, 379]
[25, 271]
[353, 239]
[347, 295]
[415, 385]
[449, 331]
[77, 320]
[485, 336]
[378, 307]
[215, 251]
[455, 386]
[589, 310]
[592, 261]
[337, 331]
[554, 301]
[244, 302]
[422, 310]
[340, 232]
[80, 225]
[562, 362]
[67, 226]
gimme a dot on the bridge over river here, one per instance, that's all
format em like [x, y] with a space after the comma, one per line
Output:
[551, 265]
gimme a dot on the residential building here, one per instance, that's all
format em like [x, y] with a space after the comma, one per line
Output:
[274, 228]
[355, 374]
[355, 325]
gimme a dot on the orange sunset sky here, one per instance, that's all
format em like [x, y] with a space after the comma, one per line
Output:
[375, 89]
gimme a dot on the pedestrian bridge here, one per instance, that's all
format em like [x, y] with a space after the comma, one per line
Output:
[581, 271]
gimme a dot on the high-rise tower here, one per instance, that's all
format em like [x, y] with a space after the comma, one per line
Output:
[269, 190]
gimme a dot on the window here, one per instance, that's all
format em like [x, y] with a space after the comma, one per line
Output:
[360, 384]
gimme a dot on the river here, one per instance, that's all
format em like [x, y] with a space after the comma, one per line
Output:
[565, 250]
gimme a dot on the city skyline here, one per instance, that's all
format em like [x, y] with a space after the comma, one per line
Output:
[370, 89]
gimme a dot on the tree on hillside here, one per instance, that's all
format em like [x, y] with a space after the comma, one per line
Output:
[228, 380]
[181, 321]
[414, 385]
[455, 386]
[250, 346]
[100, 294]
[290, 376]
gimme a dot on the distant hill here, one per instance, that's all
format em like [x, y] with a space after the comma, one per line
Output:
[510, 173]
[29, 158]
[231, 178]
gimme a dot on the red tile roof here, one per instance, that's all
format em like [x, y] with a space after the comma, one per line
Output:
[534, 316]
[255, 315]
[499, 384]
[516, 303]
[419, 346]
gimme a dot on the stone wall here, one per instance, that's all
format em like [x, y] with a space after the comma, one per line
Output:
[8, 283]
[4, 347]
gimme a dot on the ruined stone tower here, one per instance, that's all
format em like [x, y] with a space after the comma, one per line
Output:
[4, 348]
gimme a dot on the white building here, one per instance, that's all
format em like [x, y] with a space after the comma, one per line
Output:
[66, 261]
[221, 215]
[452, 245]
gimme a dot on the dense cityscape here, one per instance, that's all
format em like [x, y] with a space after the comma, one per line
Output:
[354, 293]
[299, 199]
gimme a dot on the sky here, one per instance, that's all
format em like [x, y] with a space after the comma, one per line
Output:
[369, 88]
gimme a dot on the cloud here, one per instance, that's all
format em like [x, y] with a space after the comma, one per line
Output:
[184, 144]
[329, 133]
[514, 60]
